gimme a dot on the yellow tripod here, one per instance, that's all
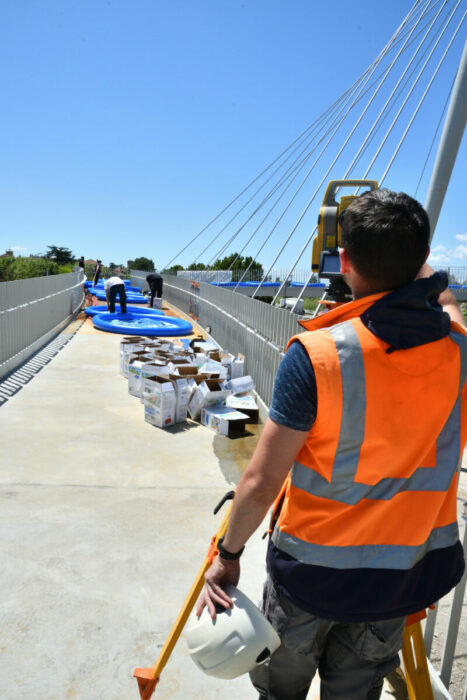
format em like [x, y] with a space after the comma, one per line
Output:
[417, 675]
[149, 677]
[413, 649]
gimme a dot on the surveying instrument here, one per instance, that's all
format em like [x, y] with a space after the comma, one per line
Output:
[325, 253]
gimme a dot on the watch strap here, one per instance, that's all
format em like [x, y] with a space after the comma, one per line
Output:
[225, 554]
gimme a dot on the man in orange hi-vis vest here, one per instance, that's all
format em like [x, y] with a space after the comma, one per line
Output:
[360, 457]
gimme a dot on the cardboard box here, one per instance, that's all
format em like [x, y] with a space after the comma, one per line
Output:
[137, 355]
[199, 358]
[152, 368]
[127, 346]
[178, 362]
[200, 345]
[245, 404]
[181, 397]
[237, 367]
[165, 345]
[214, 367]
[208, 393]
[240, 385]
[159, 401]
[185, 370]
[224, 420]
[134, 376]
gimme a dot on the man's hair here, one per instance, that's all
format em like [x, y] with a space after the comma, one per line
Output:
[386, 235]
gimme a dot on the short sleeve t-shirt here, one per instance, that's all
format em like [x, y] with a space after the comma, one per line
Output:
[294, 400]
[112, 281]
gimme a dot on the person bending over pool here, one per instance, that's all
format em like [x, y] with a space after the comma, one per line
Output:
[114, 286]
[155, 283]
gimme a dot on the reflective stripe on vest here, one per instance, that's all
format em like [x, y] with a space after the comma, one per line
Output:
[440, 479]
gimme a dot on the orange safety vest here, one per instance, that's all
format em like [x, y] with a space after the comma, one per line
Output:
[374, 485]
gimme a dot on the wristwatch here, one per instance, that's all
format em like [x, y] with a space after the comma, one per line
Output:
[225, 554]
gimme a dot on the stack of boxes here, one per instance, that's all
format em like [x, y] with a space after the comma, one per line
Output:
[175, 381]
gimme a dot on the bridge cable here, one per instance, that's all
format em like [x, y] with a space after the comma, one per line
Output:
[434, 137]
[263, 220]
[402, 76]
[277, 222]
[383, 177]
[381, 180]
[297, 171]
[385, 75]
[375, 126]
[301, 136]
[225, 246]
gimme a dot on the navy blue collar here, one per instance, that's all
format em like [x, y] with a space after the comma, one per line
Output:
[410, 316]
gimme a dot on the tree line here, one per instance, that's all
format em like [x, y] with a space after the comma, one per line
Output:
[229, 262]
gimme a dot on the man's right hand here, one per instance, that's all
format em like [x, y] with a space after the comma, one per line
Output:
[220, 573]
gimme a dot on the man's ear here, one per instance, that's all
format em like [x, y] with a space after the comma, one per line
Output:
[344, 261]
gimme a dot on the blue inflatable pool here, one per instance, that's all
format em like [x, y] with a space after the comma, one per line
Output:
[139, 310]
[131, 298]
[99, 288]
[139, 324]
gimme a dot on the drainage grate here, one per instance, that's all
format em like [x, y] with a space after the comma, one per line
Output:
[17, 379]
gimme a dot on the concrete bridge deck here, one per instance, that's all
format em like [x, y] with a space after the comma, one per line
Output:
[104, 522]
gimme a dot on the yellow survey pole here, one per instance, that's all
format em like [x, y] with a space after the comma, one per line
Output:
[149, 677]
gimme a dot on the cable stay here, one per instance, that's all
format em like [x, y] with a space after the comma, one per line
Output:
[371, 133]
[383, 177]
[365, 110]
[381, 180]
[253, 196]
[443, 112]
[389, 46]
[274, 189]
[424, 28]
[397, 85]
[404, 47]
[303, 182]
[299, 138]
[333, 126]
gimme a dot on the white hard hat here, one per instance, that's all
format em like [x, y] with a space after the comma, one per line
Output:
[236, 641]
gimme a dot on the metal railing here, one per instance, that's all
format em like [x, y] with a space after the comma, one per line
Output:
[456, 275]
[32, 311]
[260, 332]
[448, 630]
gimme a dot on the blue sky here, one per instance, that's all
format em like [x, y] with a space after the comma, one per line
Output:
[127, 125]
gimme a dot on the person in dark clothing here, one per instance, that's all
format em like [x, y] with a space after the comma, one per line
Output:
[155, 283]
[97, 273]
[114, 286]
[81, 262]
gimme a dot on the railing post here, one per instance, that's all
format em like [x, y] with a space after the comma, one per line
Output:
[454, 617]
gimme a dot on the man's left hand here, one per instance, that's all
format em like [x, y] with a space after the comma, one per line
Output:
[220, 573]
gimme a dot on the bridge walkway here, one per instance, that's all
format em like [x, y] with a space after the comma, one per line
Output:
[104, 521]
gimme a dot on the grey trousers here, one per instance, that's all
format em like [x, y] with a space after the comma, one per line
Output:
[352, 658]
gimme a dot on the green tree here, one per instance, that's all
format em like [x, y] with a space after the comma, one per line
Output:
[24, 268]
[173, 270]
[238, 262]
[141, 264]
[62, 256]
[196, 266]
